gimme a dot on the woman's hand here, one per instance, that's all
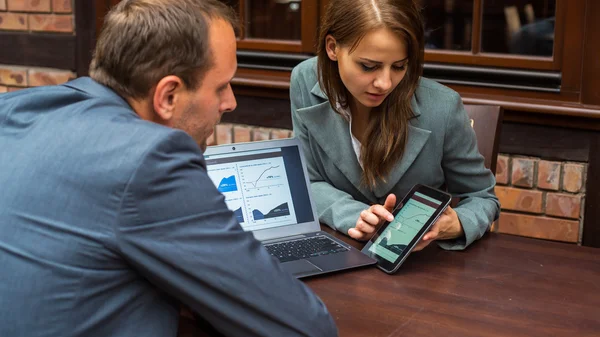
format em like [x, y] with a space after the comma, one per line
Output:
[446, 227]
[371, 218]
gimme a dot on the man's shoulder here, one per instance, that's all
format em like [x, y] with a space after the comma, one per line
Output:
[91, 118]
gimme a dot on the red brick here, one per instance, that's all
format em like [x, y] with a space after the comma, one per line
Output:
[51, 23]
[29, 5]
[3, 88]
[573, 177]
[242, 134]
[548, 175]
[39, 77]
[2, 5]
[522, 172]
[12, 89]
[563, 205]
[62, 6]
[517, 199]
[502, 170]
[14, 76]
[261, 134]
[539, 227]
[280, 134]
[13, 21]
[224, 134]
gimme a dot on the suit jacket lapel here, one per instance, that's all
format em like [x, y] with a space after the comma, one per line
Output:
[417, 138]
[325, 122]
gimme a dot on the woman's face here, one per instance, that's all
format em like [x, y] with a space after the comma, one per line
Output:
[374, 69]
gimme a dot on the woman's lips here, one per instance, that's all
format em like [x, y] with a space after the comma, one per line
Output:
[375, 97]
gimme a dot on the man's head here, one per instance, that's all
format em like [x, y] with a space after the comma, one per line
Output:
[172, 60]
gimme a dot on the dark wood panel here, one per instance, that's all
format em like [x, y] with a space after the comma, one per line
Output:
[546, 142]
[561, 121]
[591, 228]
[516, 102]
[573, 47]
[270, 45]
[310, 23]
[38, 50]
[493, 60]
[261, 111]
[85, 28]
[102, 7]
[590, 91]
[476, 33]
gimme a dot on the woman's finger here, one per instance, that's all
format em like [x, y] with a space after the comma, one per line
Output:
[381, 212]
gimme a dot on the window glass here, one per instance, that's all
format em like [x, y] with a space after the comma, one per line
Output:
[273, 19]
[448, 24]
[524, 27]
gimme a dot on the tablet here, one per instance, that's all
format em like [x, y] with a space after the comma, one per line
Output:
[394, 240]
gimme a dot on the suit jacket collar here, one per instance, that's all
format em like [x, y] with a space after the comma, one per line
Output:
[324, 122]
[95, 89]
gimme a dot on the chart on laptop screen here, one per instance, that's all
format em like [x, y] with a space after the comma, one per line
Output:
[256, 189]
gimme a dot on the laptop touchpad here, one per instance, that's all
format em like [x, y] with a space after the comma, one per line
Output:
[300, 267]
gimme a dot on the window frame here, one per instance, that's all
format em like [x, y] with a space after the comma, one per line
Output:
[476, 57]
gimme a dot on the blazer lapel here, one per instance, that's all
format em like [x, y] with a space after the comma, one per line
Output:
[417, 138]
[324, 122]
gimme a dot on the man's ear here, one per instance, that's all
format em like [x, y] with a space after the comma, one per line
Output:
[331, 47]
[166, 96]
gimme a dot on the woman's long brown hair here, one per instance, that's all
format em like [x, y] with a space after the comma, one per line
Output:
[348, 21]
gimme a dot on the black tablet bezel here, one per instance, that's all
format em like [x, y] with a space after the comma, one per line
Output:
[441, 196]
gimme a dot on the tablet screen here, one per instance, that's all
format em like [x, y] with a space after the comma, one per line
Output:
[407, 224]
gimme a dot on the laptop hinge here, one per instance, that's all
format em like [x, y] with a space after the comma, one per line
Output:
[287, 238]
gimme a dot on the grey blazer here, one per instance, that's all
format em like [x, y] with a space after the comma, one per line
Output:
[441, 150]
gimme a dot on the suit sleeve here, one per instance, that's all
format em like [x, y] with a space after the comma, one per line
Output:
[336, 208]
[175, 230]
[467, 178]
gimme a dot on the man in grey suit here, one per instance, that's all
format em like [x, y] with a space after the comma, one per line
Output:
[108, 219]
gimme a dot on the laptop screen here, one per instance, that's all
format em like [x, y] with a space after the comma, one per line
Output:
[264, 186]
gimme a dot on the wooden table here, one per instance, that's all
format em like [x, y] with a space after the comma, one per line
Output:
[500, 286]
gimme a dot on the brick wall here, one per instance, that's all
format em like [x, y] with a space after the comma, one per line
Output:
[540, 198]
[236, 133]
[34, 17]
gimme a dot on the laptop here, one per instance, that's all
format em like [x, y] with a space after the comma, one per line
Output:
[266, 186]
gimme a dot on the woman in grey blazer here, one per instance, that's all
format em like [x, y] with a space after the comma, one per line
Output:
[372, 127]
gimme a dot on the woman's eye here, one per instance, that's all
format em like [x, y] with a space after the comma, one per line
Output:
[367, 68]
[399, 68]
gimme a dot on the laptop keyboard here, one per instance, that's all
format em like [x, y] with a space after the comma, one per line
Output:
[304, 248]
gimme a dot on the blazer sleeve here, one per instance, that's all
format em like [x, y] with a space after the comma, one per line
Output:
[336, 208]
[467, 178]
[175, 229]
